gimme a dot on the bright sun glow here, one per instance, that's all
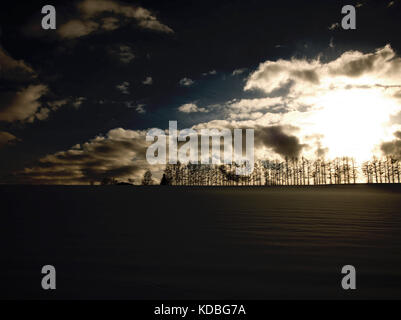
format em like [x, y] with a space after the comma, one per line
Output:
[354, 122]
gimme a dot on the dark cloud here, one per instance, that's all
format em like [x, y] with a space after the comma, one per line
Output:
[119, 155]
[307, 75]
[23, 105]
[392, 148]
[91, 19]
[355, 65]
[274, 137]
[21, 92]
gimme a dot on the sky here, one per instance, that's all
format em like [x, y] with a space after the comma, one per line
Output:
[76, 102]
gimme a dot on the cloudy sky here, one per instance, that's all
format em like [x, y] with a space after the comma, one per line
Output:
[76, 102]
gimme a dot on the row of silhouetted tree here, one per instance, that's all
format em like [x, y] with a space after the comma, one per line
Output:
[266, 172]
[278, 172]
[385, 170]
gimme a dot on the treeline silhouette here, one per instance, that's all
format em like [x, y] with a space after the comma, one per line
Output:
[287, 172]
[266, 172]
[385, 170]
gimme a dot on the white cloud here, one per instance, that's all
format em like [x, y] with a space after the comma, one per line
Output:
[118, 14]
[120, 154]
[54, 105]
[348, 101]
[123, 87]
[334, 26]
[331, 43]
[345, 107]
[186, 82]
[191, 108]
[23, 105]
[110, 23]
[43, 114]
[140, 108]
[304, 77]
[77, 28]
[148, 81]
[78, 102]
[211, 72]
[21, 101]
[251, 108]
[238, 71]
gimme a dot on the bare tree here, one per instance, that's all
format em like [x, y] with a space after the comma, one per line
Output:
[147, 178]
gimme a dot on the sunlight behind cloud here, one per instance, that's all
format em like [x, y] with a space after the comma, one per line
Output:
[343, 106]
[353, 122]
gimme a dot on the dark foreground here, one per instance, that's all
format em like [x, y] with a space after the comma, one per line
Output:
[200, 243]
